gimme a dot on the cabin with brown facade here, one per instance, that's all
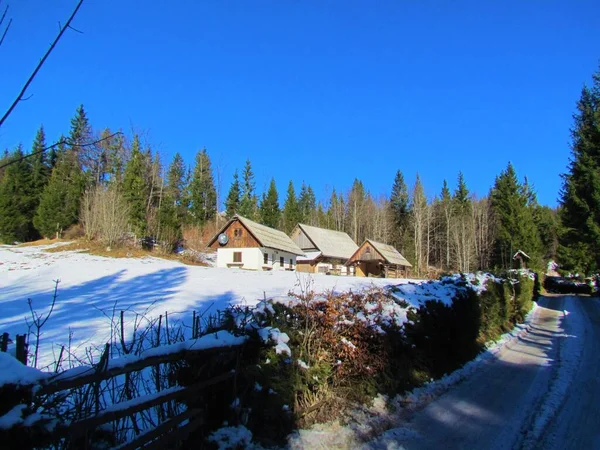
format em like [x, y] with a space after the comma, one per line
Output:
[374, 259]
[245, 244]
[325, 250]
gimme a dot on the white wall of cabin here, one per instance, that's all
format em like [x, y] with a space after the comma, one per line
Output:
[253, 258]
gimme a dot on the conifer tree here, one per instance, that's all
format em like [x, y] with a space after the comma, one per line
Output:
[232, 204]
[462, 229]
[17, 200]
[336, 211]
[515, 222]
[113, 150]
[176, 189]
[203, 195]
[399, 205]
[307, 204]
[135, 188]
[291, 212]
[579, 249]
[270, 214]
[356, 211]
[40, 165]
[248, 201]
[90, 158]
[59, 203]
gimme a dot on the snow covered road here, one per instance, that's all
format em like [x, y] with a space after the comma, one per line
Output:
[542, 391]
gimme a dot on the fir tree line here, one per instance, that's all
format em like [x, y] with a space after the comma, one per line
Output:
[579, 237]
[45, 195]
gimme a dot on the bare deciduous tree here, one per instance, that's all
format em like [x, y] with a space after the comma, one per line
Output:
[104, 215]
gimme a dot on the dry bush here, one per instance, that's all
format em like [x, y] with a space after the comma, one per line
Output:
[104, 215]
[192, 237]
[195, 237]
[73, 232]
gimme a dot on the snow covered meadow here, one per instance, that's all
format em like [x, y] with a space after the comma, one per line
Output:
[92, 286]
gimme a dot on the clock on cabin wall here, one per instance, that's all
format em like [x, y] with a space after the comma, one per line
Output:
[223, 239]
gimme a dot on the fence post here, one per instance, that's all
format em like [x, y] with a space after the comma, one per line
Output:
[22, 348]
[4, 342]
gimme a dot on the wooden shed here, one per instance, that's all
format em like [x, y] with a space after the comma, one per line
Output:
[374, 259]
[520, 259]
[245, 244]
[325, 250]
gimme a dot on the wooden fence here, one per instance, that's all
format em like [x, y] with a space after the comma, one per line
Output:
[171, 429]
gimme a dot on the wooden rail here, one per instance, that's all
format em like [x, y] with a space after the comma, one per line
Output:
[169, 429]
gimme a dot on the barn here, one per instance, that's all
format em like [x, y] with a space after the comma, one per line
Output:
[374, 259]
[325, 251]
[245, 244]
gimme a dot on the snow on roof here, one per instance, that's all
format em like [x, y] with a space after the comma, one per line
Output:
[270, 237]
[308, 256]
[391, 255]
[521, 252]
[331, 243]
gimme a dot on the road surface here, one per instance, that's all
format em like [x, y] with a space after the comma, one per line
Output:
[541, 392]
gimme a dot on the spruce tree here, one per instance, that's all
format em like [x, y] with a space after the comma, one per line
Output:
[113, 153]
[355, 225]
[17, 200]
[579, 239]
[203, 195]
[232, 204]
[59, 203]
[135, 188]
[270, 214]
[307, 204]
[80, 134]
[516, 227]
[248, 201]
[40, 165]
[399, 205]
[291, 212]
[176, 189]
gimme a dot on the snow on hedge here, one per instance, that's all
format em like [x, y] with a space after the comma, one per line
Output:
[14, 372]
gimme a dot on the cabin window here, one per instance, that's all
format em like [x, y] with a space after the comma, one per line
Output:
[237, 257]
[237, 232]
[266, 258]
[281, 261]
[368, 250]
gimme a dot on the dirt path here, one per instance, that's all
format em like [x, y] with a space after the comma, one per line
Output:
[542, 391]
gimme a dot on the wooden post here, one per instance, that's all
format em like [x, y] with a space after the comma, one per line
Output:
[21, 348]
[4, 342]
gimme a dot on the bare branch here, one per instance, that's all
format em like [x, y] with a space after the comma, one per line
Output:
[4, 14]
[76, 30]
[56, 144]
[5, 32]
[40, 64]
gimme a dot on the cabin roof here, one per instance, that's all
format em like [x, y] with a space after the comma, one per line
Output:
[331, 243]
[309, 256]
[388, 252]
[266, 236]
[522, 253]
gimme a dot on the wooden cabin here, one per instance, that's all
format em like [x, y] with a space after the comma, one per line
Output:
[325, 250]
[521, 259]
[245, 244]
[374, 259]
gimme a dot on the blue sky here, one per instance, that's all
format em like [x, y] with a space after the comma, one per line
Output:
[320, 91]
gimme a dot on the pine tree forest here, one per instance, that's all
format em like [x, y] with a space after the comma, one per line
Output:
[118, 191]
